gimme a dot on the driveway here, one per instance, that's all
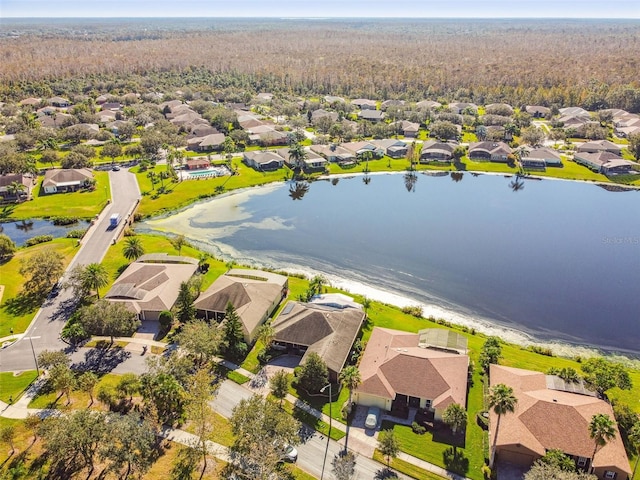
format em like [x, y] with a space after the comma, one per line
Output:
[260, 382]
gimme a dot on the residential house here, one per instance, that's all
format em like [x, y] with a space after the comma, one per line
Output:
[169, 105]
[264, 97]
[202, 131]
[540, 158]
[263, 160]
[253, 293]
[599, 146]
[406, 128]
[606, 163]
[59, 180]
[101, 99]
[59, 102]
[459, 107]
[359, 148]
[151, 284]
[249, 121]
[267, 135]
[392, 148]
[58, 120]
[334, 153]
[106, 116]
[316, 115]
[26, 180]
[538, 111]
[328, 326]
[402, 370]
[371, 115]
[197, 164]
[573, 111]
[436, 151]
[492, 151]
[391, 103]
[114, 106]
[31, 102]
[549, 414]
[333, 99]
[313, 161]
[208, 143]
[364, 104]
[428, 105]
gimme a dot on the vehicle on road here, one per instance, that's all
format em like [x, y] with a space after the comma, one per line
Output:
[373, 415]
[114, 220]
[116, 168]
[290, 454]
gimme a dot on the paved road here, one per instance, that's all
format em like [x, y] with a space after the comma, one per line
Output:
[44, 331]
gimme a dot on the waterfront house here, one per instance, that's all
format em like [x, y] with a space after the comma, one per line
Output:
[63, 180]
[392, 148]
[263, 160]
[540, 158]
[597, 146]
[27, 181]
[492, 151]
[436, 151]
[313, 161]
[606, 163]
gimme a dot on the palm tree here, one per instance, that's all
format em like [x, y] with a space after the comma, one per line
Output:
[410, 180]
[634, 439]
[502, 400]
[152, 176]
[456, 417]
[517, 184]
[351, 379]
[94, 277]
[132, 248]
[15, 188]
[601, 430]
[297, 155]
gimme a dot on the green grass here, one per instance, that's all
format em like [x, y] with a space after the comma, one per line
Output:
[48, 399]
[221, 430]
[312, 421]
[231, 374]
[16, 313]
[406, 468]
[13, 386]
[82, 204]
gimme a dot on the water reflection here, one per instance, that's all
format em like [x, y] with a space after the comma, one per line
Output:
[410, 180]
[366, 179]
[25, 225]
[298, 190]
[517, 184]
[457, 176]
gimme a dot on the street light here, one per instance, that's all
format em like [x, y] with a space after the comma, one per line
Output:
[328, 385]
[35, 359]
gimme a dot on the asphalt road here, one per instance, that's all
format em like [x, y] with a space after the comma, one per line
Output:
[44, 331]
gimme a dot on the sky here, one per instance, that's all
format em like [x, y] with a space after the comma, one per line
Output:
[323, 8]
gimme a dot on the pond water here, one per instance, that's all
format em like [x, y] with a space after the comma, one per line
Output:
[23, 230]
[554, 260]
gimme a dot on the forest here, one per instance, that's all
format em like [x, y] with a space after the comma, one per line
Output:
[585, 63]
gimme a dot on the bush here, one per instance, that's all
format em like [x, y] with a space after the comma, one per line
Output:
[541, 350]
[482, 420]
[165, 319]
[414, 310]
[64, 220]
[76, 233]
[486, 472]
[417, 428]
[37, 240]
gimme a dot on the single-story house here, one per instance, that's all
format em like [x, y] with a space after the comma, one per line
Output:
[213, 141]
[371, 115]
[263, 160]
[541, 158]
[392, 148]
[59, 180]
[58, 120]
[253, 293]
[27, 181]
[428, 105]
[328, 326]
[151, 284]
[313, 161]
[493, 151]
[436, 151]
[626, 132]
[402, 370]
[391, 103]
[537, 111]
[334, 153]
[606, 163]
[364, 104]
[266, 135]
[249, 121]
[406, 128]
[58, 102]
[359, 148]
[333, 99]
[169, 105]
[31, 101]
[111, 106]
[573, 111]
[549, 415]
[599, 146]
[197, 163]
[459, 107]
[321, 113]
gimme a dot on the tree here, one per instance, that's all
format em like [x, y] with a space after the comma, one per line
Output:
[491, 352]
[388, 445]
[165, 395]
[232, 335]
[544, 471]
[279, 385]
[344, 466]
[50, 358]
[601, 429]
[7, 247]
[14, 189]
[50, 156]
[297, 155]
[266, 335]
[185, 310]
[165, 319]
[261, 430]
[634, 439]
[532, 136]
[62, 380]
[108, 318]
[41, 270]
[634, 145]
[87, 383]
[129, 444]
[558, 459]
[444, 130]
[199, 411]
[128, 385]
[568, 374]
[33, 422]
[94, 277]
[502, 401]
[200, 339]
[75, 160]
[602, 375]
[133, 248]
[178, 242]
[7, 435]
[456, 417]
[350, 378]
[313, 374]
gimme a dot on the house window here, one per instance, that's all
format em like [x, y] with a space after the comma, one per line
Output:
[427, 404]
[582, 461]
[609, 474]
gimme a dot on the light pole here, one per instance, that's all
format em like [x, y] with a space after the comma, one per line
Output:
[35, 359]
[328, 385]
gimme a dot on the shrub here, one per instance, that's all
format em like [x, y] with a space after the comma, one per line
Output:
[486, 472]
[541, 350]
[413, 310]
[64, 220]
[417, 428]
[483, 420]
[38, 239]
[76, 233]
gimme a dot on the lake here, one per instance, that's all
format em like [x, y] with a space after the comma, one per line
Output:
[552, 260]
[23, 230]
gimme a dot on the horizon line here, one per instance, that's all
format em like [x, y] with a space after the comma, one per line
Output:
[293, 17]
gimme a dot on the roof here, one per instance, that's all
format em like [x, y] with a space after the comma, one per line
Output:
[67, 176]
[325, 330]
[599, 146]
[438, 147]
[145, 286]
[443, 339]
[428, 104]
[603, 159]
[435, 375]
[542, 153]
[251, 292]
[550, 419]
[198, 162]
[371, 114]
[262, 157]
[22, 178]
[493, 148]
[389, 143]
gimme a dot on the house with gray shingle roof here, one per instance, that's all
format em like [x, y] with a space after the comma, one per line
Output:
[492, 151]
[59, 180]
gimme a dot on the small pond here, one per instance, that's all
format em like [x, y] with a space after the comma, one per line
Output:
[22, 230]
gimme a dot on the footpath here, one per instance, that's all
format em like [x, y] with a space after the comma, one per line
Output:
[358, 441]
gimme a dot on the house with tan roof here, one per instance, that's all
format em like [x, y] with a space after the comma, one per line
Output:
[151, 284]
[492, 151]
[263, 160]
[597, 146]
[546, 417]
[313, 161]
[26, 180]
[327, 325]
[540, 158]
[334, 153]
[606, 163]
[438, 375]
[59, 180]
[436, 151]
[254, 294]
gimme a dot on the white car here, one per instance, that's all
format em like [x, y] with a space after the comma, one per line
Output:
[372, 418]
[290, 454]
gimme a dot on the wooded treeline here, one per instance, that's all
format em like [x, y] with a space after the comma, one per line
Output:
[549, 62]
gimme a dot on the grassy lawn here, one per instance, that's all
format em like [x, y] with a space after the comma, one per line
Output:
[48, 399]
[571, 171]
[232, 375]
[221, 434]
[84, 205]
[13, 386]
[405, 467]
[311, 421]
[16, 311]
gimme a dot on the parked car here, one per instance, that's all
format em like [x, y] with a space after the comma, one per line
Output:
[116, 168]
[290, 454]
[373, 415]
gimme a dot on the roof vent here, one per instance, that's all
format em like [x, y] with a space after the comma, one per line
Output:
[555, 401]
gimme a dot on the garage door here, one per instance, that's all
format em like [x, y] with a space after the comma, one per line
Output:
[517, 458]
